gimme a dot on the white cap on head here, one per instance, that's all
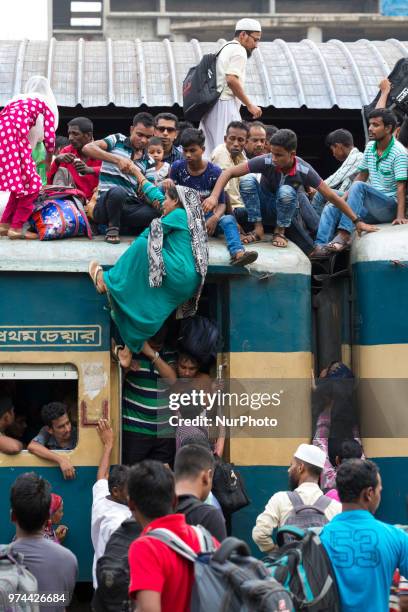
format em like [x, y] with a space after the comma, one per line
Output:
[248, 25]
[311, 454]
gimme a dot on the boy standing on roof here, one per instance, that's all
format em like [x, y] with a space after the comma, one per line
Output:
[231, 65]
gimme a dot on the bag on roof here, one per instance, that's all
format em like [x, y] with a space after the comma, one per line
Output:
[200, 87]
[15, 579]
[305, 516]
[227, 578]
[304, 569]
[398, 97]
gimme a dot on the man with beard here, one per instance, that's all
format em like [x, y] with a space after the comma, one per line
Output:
[304, 474]
[231, 66]
[230, 154]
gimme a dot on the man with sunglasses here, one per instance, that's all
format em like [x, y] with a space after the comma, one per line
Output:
[166, 128]
[231, 66]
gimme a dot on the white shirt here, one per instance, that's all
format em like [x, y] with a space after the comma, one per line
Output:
[107, 516]
[232, 60]
[279, 507]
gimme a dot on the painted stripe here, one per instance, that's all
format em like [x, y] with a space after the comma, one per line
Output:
[270, 365]
[387, 244]
[381, 361]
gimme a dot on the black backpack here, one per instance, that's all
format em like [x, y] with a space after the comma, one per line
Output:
[228, 487]
[304, 569]
[398, 96]
[200, 87]
[112, 570]
[199, 336]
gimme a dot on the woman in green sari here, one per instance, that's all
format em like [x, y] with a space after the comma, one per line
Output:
[163, 269]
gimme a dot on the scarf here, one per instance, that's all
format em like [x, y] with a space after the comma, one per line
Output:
[189, 198]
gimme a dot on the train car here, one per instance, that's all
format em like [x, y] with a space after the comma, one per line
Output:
[380, 358]
[55, 343]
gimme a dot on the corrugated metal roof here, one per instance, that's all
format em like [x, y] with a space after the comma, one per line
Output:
[130, 73]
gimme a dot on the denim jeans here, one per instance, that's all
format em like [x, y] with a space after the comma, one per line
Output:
[286, 208]
[229, 227]
[367, 202]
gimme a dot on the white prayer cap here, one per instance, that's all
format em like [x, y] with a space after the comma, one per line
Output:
[248, 25]
[311, 454]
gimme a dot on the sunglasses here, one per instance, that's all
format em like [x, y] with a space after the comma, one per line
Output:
[162, 129]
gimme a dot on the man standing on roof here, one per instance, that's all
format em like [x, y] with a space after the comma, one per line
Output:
[231, 65]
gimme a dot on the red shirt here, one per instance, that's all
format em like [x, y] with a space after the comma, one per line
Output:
[156, 567]
[84, 182]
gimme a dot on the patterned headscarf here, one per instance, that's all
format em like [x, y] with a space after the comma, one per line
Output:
[190, 199]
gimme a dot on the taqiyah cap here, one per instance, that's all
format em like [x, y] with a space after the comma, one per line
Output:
[249, 25]
[311, 454]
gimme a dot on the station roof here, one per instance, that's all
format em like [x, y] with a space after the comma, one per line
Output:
[129, 73]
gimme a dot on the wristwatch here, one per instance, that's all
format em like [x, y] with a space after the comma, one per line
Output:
[358, 220]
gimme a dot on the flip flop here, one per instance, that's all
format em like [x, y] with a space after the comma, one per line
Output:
[320, 251]
[115, 348]
[112, 235]
[4, 228]
[250, 238]
[344, 244]
[279, 246]
[94, 275]
[247, 258]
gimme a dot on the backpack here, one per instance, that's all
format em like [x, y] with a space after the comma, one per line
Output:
[199, 336]
[15, 579]
[228, 487]
[112, 570]
[200, 87]
[304, 516]
[398, 96]
[304, 569]
[229, 578]
[59, 213]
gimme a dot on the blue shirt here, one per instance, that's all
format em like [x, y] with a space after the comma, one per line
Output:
[203, 183]
[364, 553]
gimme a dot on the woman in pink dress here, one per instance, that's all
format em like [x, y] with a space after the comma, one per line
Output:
[24, 121]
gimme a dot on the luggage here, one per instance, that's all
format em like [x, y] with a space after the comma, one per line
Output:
[200, 87]
[229, 578]
[112, 570]
[305, 516]
[15, 581]
[398, 97]
[228, 487]
[59, 213]
[199, 337]
[304, 568]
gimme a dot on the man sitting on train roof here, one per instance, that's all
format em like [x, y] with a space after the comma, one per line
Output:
[8, 445]
[71, 168]
[57, 434]
[379, 190]
[118, 204]
[274, 201]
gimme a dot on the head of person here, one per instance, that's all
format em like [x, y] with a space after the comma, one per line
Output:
[255, 144]
[151, 491]
[7, 415]
[155, 149]
[117, 483]
[56, 509]
[283, 148]
[60, 143]
[248, 33]
[358, 482]
[339, 450]
[381, 124]
[80, 132]
[193, 145]
[236, 137]
[30, 501]
[166, 128]
[194, 464]
[306, 465]
[55, 418]
[182, 125]
[187, 365]
[141, 130]
[172, 201]
[270, 131]
[340, 142]
[18, 426]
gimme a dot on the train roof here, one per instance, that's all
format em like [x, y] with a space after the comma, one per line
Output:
[390, 243]
[73, 255]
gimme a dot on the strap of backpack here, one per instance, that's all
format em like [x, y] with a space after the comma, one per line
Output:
[205, 539]
[174, 542]
[322, 503]
[226, 45]
[187, 505]
[295, 499]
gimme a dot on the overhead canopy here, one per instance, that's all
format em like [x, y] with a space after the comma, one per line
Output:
[130, 73]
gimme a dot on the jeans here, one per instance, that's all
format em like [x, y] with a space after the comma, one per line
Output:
[117, 209]
[367, 202]
[285, 208]
[228, 226]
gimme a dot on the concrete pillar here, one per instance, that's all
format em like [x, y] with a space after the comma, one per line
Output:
[162, 6]
[163, 27]
[315, 34]
[272, 6]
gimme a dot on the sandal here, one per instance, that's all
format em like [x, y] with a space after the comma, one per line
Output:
[247, 258]
[112, 235]
[94, 270]
[4, 228]
[319, 251]
[251, 237]
[116, 348]
[275, 237]
[343, 243]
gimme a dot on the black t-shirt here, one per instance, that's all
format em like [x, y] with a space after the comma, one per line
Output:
[199, 513]
[302, 173]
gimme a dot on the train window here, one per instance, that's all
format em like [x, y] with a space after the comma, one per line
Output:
[31, 386]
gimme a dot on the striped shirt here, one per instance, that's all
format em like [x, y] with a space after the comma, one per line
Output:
[145, 402]
[384, 172]
[110, 174]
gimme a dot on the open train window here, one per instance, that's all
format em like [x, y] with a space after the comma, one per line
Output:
[31, 386]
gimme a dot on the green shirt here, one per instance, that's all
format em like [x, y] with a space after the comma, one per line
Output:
[384, 172]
